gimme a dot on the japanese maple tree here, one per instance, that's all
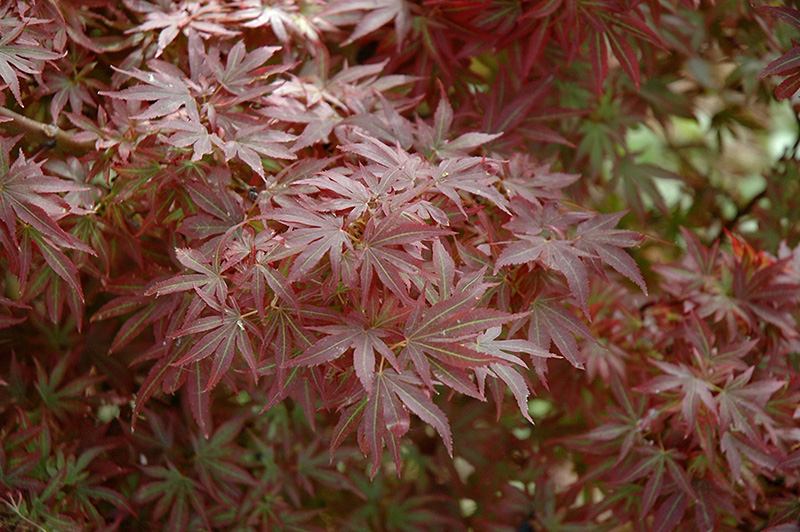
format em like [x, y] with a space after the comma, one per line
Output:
[384, 265]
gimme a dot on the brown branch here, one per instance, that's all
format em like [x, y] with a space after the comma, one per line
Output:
[46, 133]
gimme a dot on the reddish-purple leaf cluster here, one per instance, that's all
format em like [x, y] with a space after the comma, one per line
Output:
[711, 414]
[246, 244]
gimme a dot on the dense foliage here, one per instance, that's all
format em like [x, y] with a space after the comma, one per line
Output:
[306, 265]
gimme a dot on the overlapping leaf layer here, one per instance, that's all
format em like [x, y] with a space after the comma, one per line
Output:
[246, 244]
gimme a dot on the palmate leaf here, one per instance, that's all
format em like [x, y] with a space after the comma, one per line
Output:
[739, 450]
[78, 89]
[741, 403]
[541, 239]
[694, 389]
[365, 342]
[764, 295]
[638, 182]
[221, 336]
[534, 182]
[59, 395]
[56, 295]
[219, 212]
[86, 477]
[560, 255]
[30, 196]
[242, 68]
[189, 133]
[446, 331]
[598, 236]
[249, 143]
[218, 461]
[208, 278]
[280, 18]
[656, 465]
[434, 140]
[348, 193]
[164, 86]
[390, 164]
[174, 493]
[363, 332]
[382, 417]
[277, 513]
[311, 236]
[388, 125]
[757, 292]
[505, 109]
[378, 251]
[265, 276]
[550, 322]
[16, 57]
[172, 19]
[488, 343]
[320, 118]
[467, 174]
[152, 312]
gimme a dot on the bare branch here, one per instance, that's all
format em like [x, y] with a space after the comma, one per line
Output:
[46, 132]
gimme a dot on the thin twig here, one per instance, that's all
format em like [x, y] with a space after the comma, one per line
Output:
[744, 211]
[46, 132]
